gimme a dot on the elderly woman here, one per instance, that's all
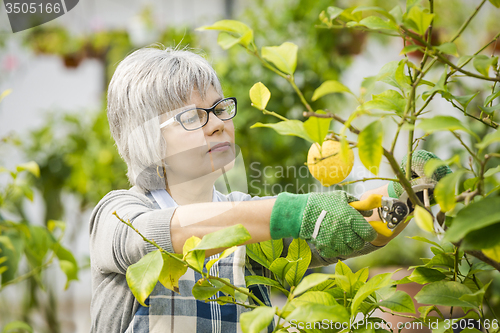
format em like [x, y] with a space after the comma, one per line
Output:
[174, 129]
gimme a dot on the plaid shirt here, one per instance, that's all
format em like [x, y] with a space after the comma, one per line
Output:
[168, 311]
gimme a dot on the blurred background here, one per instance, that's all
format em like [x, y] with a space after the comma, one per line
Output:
[55, 114]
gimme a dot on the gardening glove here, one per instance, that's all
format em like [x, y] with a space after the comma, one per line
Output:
[324, 219]
[418, 160]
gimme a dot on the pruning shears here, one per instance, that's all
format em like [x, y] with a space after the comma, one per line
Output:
[390, 210]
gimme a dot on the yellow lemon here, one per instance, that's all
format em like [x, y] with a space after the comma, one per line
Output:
[328, 166]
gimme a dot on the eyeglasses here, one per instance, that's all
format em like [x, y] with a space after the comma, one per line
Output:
[196, 118]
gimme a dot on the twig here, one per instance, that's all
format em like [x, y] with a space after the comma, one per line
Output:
[480, 255]
[367, 179]
[249, 294]
[466, 23]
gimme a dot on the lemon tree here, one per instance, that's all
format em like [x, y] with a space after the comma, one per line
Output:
[468, 221]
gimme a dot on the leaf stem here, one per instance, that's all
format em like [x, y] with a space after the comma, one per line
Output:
[272, 113]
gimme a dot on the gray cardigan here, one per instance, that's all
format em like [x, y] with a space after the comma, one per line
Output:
[114, 246]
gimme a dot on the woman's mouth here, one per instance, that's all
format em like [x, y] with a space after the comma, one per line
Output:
[223, 146]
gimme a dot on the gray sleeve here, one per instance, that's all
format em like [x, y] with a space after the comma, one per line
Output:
[113, 245]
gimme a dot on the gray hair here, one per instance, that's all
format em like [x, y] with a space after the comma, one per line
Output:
[147, 84]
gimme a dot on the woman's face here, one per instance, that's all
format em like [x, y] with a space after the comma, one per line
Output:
[193, 154]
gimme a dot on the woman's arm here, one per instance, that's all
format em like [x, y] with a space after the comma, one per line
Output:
[204, 218]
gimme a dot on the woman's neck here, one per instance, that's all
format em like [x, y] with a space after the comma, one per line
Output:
[193, 191]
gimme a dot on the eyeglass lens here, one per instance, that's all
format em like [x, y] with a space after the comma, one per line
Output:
[197, 118]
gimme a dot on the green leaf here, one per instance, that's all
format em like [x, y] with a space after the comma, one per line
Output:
[32, 167]
[491, 97]
[257, 319]
[236, 27]
[280, 267]
[477, 297]
[11, 247]
[259, 95]
[444, 191]
[465, 100]
[425, 310]
[445, 293]
[288, 127]
[479, 266]
[190, 244]
[317, 128]
[421, 18]
[310, 312]
[195, 258]
[334, 12]
[143, 275]
[410, 48]
[257, 279]
[448, 48]
[16, 326]
[204, 289]
[483, 238]
[254, 251]
[492, 171]
[493, 253]
[376, 23]
[423, 275]
[489, 139]
[495, 3]
[489, 109]
[171, 271]
[224, 254]
[38, 244]
[329, 87]
[349, 14]
[393, 73]
[411, 3]
[424, 219]
[272, 249]
[439, 87]
[227, 237]
[316, 297]
[441, 123]
[441, 259]
[482, 63]
[310, 281]
[474, 216]
[399, 302]
[375, 283]
[389, 100]
[227, 40]
[67, 263]
[425, 240]
[284, 57]
[299, 254]
[370, 146]
[376, 9]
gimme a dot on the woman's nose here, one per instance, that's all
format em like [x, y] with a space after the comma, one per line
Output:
[214, 124]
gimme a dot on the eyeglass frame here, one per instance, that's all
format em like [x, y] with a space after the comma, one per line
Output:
[177, 117]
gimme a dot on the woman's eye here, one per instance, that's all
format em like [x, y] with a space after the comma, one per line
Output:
[191, 120]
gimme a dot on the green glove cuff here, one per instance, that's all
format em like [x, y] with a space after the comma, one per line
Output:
[392, 191]
[287, 215]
